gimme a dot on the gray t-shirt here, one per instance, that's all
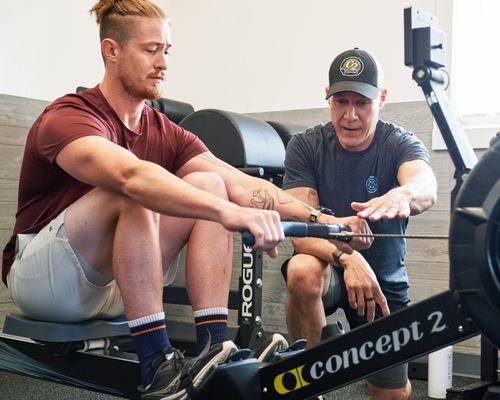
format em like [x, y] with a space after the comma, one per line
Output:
[315, 159]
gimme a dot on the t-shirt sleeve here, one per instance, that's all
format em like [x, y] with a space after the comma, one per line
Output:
[188, 145]
[299, 164]
[410, 148]
[64, 124]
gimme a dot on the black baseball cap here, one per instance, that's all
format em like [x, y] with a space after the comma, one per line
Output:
[357, 71]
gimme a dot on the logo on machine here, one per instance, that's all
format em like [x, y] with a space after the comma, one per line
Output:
[247, 279]
[290, 381]
[371, 184]
[351, 66]
[393, 341]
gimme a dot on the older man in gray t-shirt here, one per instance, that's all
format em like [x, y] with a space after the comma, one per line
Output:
[360, 167]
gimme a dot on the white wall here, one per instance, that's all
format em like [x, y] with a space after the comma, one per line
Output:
[274, 55]
[230, 54]
[48, 47]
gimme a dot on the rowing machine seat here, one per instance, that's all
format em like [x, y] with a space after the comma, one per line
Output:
[19, 325]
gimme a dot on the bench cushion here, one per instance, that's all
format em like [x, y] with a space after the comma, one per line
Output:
[19, 325]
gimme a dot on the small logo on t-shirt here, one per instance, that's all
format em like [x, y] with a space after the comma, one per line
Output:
[371, 184]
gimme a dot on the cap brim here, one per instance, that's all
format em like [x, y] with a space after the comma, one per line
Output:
[362, 88]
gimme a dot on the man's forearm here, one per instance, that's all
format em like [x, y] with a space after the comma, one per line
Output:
[320, 248]
[259, 193]
[421, 191]
[248, 191]
[418, 184]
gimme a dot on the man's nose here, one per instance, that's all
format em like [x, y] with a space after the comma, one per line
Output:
[162, 62]
[351, 113]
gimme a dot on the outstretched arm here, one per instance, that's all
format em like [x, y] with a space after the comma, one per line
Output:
[416, 193]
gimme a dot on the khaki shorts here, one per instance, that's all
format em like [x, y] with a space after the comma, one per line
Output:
[47, 280]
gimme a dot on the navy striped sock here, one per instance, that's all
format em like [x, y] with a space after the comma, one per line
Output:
[150, 338]
[213, 320]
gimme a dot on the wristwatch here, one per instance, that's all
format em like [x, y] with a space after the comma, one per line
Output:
[336, 256]
[315, 213]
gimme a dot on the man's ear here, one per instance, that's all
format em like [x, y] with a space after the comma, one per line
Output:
[109, 49]
[383, 98]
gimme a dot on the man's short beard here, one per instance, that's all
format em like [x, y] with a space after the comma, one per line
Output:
[136, 91]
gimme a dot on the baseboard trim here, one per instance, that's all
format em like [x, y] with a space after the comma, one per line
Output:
[467, 365]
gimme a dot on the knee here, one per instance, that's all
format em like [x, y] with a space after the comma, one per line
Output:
[390, 394]
[131, 209]
[209, 182]
[304, 276]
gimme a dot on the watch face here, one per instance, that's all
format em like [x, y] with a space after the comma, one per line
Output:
[325, 210]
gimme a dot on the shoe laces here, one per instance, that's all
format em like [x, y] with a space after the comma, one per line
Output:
[173, 357]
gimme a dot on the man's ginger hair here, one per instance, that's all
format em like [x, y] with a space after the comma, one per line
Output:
[111, 16]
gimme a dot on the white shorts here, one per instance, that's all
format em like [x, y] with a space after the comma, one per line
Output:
[48, 282]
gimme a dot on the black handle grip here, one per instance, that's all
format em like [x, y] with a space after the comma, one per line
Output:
[301, 229]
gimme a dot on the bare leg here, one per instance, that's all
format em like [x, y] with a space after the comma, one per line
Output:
[209, 253]
[120, 238]
[307, 282]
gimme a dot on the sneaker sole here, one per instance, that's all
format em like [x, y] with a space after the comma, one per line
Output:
[277, 339]
[227, 348]
[182, 394]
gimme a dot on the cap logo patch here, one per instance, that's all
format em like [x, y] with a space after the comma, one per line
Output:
[351, 66]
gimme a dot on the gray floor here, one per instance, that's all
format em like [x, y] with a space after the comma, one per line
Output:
[14, 387]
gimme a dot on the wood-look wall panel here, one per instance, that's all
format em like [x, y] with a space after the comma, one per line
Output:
[7, 216]
[13, 135]
[9, 190]
[10, 161]
[4, 294]
[432, 222]
[423, 288]
[428, 270]
[414, 116]
[5, 234]
[426, 250]
[20, 111]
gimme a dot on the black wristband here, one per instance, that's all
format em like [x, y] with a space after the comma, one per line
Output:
[313, 217]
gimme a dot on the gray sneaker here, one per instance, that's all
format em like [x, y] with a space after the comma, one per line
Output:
[166, 382]
[176, 376]
[273, 344]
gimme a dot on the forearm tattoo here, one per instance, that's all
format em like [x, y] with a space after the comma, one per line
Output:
[262, 199]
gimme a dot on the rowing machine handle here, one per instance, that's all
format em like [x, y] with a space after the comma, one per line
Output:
[301, 229]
